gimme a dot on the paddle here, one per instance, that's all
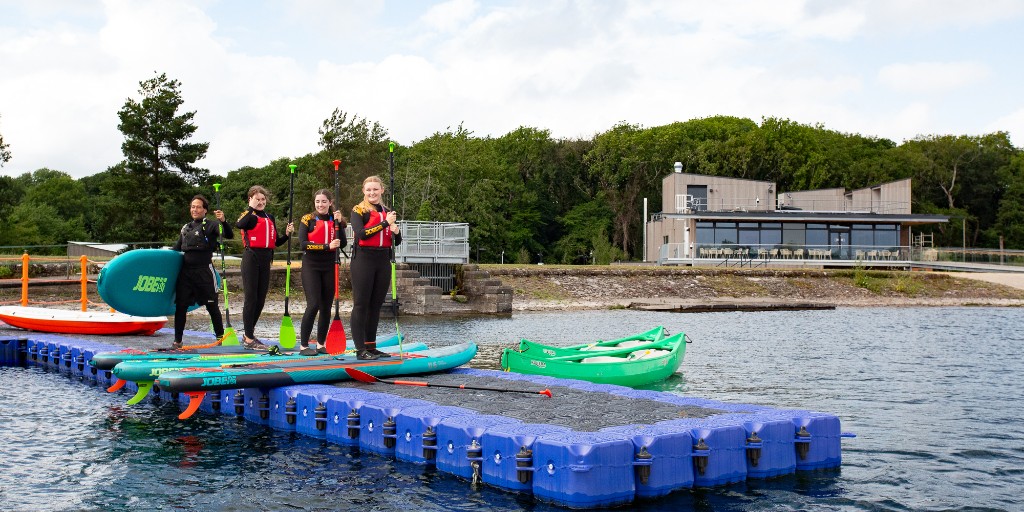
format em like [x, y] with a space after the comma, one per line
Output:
[660, 344]
[286, 337]
[230, 336]
[335, 342]
[394, 284]
[362, 376]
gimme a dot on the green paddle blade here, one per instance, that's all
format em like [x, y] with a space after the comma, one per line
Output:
[287, 335]
[230, 337]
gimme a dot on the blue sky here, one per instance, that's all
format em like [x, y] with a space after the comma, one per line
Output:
[263, 75]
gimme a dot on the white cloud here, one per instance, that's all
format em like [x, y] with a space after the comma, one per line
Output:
[264, 76]
[927, 77]
[1013, 123]
[450, 15]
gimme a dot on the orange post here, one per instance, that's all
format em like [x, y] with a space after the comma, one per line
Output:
[24, 279]
[85, 281]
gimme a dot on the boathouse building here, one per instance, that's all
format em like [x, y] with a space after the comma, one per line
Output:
[730, 221]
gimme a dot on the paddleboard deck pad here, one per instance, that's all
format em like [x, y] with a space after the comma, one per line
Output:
[271, 375]
[149, 370]
[106, 361]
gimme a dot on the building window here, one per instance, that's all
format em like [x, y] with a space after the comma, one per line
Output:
[817, 236]
[725, 233]
[794, 235]
[887, 236]
[862, 236]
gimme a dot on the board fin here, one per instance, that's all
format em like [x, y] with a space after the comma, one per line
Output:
[195, 399]
[144, 388]
[118, 384]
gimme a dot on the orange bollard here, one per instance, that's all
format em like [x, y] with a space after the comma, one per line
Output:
[85, 282]
[24, 279]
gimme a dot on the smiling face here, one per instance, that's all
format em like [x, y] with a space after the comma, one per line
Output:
[322, 204]
[197, 209]
[372, 191]
[258, 201]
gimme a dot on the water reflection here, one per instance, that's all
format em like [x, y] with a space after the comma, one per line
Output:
[931, 393]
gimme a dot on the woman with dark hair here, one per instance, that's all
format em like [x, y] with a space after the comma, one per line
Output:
[376, 233]
[260, 237]
[321, 236]
[197, 281]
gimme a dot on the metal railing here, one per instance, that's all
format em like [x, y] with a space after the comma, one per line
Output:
[810, 253]
[433, 242]
[686, 203]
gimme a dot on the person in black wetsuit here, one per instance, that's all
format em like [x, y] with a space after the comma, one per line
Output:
[375, 234]
[197, 283]
[260, 237]
[321, 236]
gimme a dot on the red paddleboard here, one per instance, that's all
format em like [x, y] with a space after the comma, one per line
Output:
[79, 322]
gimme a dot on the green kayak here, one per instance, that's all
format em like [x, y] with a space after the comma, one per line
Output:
[631, 361]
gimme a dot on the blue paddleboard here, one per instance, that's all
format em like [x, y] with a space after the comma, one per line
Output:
[141, 282]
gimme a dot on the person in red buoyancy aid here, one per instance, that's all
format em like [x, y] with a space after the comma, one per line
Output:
[321, 236]
[260, 236]
[375, 234]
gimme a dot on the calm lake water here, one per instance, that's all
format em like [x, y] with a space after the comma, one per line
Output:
[933, 395]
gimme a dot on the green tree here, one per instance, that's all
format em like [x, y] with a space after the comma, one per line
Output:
[584, 226]
[11, 191]
[362, 148]
[59, 189]
[1009, 222]
[627, 167]
[5, 151]
[158, 154]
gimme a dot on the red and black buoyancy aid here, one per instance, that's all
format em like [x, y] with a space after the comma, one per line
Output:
[263, 236]
[322, 232]
[381, 235]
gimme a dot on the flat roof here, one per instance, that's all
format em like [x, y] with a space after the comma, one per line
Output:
[807, 216]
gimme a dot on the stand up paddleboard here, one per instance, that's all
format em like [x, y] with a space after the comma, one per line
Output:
[141, 282]
[79, 322]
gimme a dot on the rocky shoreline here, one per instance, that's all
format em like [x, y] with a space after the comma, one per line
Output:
[577, 288]
[568, 288]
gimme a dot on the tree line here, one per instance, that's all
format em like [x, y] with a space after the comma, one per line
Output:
[526, 195]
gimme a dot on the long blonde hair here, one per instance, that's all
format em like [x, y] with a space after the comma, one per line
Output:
[365, 205]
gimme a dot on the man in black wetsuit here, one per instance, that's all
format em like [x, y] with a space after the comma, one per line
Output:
[197, 282]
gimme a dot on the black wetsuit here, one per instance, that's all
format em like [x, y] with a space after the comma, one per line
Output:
[371, 276]
[255, 270]
[318, 283]
[197, 282]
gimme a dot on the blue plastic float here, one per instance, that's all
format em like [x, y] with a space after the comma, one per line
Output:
[555, 463]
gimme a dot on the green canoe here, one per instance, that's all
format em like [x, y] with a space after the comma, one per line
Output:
[631, 361]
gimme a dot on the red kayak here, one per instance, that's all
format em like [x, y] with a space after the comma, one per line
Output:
[79, 322]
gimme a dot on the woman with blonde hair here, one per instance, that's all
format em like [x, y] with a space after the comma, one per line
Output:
[375, 233]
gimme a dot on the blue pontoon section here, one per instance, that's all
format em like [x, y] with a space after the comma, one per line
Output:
[493, 442]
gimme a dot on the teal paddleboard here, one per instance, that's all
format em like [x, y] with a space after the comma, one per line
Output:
[141, 282]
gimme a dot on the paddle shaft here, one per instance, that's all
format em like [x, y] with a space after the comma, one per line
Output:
[394, 279]
[291, 207]
[337, 254]
[362, 376]
[286, 334]
[223, 264]
[546, 392]
[335, 341]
